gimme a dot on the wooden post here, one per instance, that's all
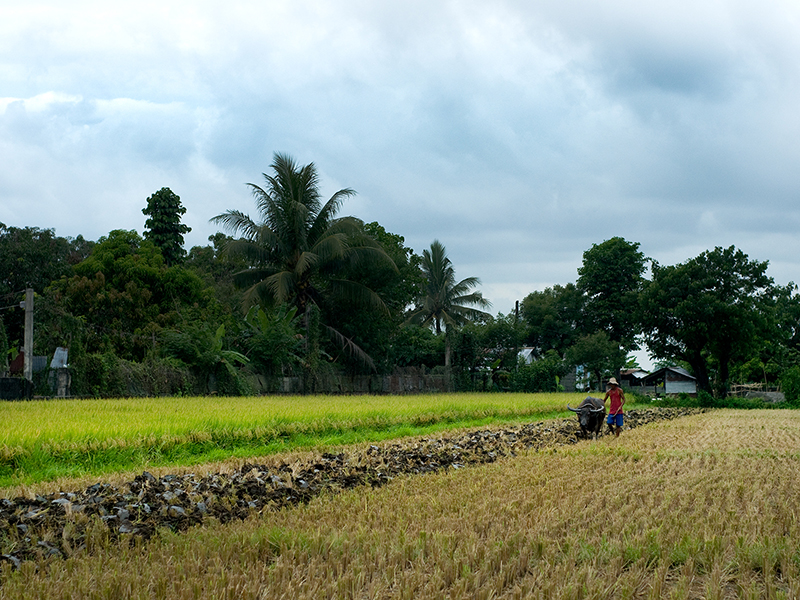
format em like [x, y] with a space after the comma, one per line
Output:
[28, 342]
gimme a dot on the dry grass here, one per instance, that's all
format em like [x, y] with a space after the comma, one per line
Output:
[703, 507]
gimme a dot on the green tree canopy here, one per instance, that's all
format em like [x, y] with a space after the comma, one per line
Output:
[489, 348]
[445, 301]
[124, 295]
[611, 279]
[397, 283]
[708, 312]
[33, 257]
[164, 227]
[554, 318]
[298, 251]
[3, 346]
[597, 353]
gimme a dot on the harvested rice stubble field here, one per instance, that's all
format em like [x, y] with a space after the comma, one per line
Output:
[701, 507]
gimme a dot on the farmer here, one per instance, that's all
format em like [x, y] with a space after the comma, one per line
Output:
[615, 410]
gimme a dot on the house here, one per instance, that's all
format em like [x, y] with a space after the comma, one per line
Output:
[632, 377]
[672, 380]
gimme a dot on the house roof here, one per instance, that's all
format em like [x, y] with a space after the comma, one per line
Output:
[661, 372]
[634, 373]
[527, 353]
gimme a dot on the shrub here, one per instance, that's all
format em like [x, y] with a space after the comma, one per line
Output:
[634, 397]
[105, 375]
[705, 399]
[790, 384]
[736, 402]
[96, 375]
[542, 375]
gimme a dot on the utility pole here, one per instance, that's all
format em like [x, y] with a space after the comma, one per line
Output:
[28, 345]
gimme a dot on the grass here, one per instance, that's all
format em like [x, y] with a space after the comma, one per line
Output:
[702, 507]
[49, 439]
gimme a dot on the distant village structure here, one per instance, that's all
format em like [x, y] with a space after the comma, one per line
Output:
[671, 380]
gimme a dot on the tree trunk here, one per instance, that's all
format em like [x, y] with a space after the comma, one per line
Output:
[700, 372]
[724, 373]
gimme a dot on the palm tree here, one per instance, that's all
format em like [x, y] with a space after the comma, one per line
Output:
[298, 250]
[446, 302]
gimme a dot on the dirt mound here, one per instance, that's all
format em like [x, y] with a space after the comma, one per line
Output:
[58, 524]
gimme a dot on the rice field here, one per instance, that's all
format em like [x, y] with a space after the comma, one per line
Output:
[47, 439]
[702, 507]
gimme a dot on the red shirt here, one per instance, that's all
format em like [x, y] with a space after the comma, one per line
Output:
[617, 396]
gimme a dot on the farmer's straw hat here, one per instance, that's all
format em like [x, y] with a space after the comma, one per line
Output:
[613, 381]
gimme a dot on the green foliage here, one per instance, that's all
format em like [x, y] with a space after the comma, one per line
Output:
[501, 338]
[611, 279]
[485, 353]
[3, 346]
[313, 354]
[372, 328]
[757, 370]
[709, 312]
[445, 301]
[399, 283]
[299, 253]
[96, 375]
[597, 353]
[217, 268]
[790, 385]
[416, 346]
[744, 403]
[541, 375]
[634, 397]
[554, 318]
[164, 227]
[274, 344]
[106, 376]
[200, 347]
[32, 257]
[121, 296]
[706, 400]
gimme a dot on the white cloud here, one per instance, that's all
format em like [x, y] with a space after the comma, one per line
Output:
[518, 134]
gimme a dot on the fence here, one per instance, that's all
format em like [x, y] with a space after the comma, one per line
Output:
[408, 380]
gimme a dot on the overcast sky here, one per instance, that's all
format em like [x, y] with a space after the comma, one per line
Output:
[516, 133]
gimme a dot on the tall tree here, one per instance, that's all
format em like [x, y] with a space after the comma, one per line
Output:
[598, 354]
[164, 227]
[708, 312]
[33, 257]
[611, 279]
[398, 285]
[122, 295]
[554, 318]
[445, 301]
[298, 251]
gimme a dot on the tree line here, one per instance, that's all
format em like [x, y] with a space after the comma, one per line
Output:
[300, 291]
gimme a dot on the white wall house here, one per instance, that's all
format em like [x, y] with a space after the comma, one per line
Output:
[672, 380]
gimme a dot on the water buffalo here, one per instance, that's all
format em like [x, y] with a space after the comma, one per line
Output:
[591, 413]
